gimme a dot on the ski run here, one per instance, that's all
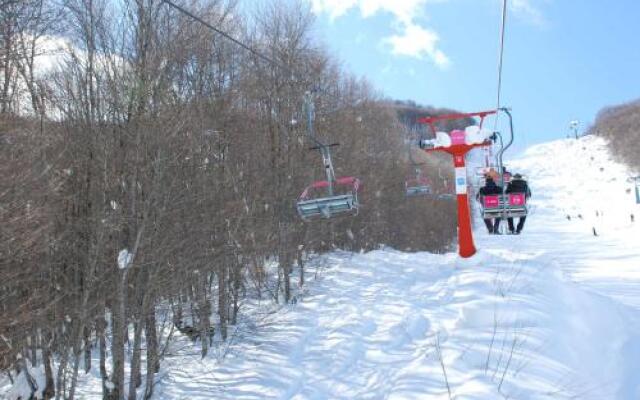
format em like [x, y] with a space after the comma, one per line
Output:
[553, 313]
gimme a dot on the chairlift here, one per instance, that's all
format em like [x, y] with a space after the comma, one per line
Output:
[417, 185]
[421, 186]
[505, 205]
[327, 207]
[319, 200]
[333, 196]
[447, 193]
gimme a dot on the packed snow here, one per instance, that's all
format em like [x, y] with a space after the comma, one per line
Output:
[553, 313]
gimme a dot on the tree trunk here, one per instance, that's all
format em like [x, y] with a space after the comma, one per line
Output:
[284, 261]
[60, 376]
[119, 328]
[237, 283]
[50, 388]
[74, 377]
[152, 340]
[34, 347]
[102, 343]
[87, 350]
[135, 378]
[153, 363]
[301, 267]
[204, 311]
[222, 299]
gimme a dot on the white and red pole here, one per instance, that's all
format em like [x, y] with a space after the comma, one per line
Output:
[466, 246]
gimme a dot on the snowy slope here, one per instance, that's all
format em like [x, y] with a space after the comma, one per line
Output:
[580, 179]
[551, 314]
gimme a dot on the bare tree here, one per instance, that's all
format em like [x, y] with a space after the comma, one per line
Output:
[161, 178]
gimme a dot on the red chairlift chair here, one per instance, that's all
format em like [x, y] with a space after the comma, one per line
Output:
[310, 205]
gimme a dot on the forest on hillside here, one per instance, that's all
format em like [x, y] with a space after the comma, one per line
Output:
[149, 169]
[621, 125]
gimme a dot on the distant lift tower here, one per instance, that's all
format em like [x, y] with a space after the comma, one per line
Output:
[573, 125]
[458, 143]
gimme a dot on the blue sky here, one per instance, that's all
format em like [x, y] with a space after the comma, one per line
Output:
[564, 59]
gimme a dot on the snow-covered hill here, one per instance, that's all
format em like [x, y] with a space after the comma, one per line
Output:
[579, 188]
[551, 314]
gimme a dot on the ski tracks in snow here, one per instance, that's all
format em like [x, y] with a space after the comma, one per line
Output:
[550, 314]
[508, 324]
[371, 326]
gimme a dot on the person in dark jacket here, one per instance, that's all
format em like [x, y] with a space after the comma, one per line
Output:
[490, 188]
[518, 185]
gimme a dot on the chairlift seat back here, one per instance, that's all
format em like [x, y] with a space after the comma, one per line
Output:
[329, 206]
[417, 187]
[510, 205]
[417, 190]
[517, 199]
[492, 201]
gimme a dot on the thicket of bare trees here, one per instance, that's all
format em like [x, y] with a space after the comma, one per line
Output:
[620, 125]
[154, 172]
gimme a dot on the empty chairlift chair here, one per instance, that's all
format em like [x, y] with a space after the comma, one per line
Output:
[417, 187]
[332, 197]
[343, 202]
[310, 207]
[422, 187]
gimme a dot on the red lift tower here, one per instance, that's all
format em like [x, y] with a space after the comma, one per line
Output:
[459, 148]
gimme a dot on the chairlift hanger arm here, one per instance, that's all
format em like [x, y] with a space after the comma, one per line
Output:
[507, 111]
[310, 110]
[503, 147]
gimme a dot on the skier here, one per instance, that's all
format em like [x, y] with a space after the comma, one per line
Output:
[490, 188]
[518, 185]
